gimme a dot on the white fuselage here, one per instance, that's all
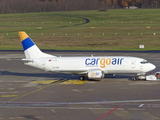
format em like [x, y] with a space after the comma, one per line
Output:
[91, 67]
[81, 65]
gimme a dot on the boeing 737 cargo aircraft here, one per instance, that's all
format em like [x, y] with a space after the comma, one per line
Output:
[89, 67]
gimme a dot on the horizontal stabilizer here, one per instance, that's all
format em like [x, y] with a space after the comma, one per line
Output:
[27, 60]
[22, 60]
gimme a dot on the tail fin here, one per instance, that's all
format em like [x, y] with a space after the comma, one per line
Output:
[30, 48]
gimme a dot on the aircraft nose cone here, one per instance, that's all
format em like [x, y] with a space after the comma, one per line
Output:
[148, 67]
[152, 67]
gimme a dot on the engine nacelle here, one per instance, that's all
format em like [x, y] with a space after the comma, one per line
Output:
[96, 74]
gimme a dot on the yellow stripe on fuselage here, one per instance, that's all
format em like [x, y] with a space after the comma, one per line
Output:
[22, 35]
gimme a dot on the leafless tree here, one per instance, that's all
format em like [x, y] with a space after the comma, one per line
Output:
[23, 6]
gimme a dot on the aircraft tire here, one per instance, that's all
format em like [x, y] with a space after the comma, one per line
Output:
[81, 77]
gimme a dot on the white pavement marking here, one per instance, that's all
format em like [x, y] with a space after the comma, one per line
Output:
[91, 108]
[124, 101]
[76, 90]
[136, 109]
[141, 105]
[54, 112]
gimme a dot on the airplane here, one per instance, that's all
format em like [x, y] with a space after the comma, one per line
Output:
[90, 67]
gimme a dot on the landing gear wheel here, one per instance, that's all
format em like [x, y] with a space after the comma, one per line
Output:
[142, 77]
[135, 78]
[81, 77]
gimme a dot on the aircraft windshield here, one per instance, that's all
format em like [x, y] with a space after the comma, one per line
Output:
[144, 62]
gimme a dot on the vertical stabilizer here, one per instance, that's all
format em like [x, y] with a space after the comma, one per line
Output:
[30, 48]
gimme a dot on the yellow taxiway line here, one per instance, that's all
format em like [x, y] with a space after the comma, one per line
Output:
[50, 82]
[65, 82]
[44, 81]
[74, 82]
[8, 95]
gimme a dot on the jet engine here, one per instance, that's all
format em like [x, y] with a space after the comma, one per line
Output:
[95, 74]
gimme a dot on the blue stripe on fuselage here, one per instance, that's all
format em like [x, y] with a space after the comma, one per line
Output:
[27, 43]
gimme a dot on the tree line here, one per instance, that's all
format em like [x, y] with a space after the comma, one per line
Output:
[23, 6]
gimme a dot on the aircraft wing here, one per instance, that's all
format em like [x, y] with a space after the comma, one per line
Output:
[84, 71]
[72, 71]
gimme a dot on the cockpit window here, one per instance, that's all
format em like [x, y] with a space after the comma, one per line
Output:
[144, 62]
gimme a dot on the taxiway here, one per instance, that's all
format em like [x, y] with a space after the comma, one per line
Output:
[27, 93]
